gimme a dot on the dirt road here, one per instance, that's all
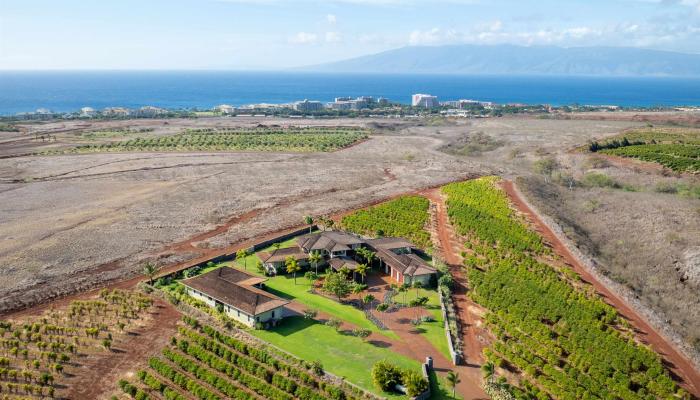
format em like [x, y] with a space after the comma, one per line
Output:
[472, 335]
[674, 360]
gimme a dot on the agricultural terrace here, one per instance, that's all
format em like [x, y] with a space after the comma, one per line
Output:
[551, 329]
[404, 217]
[206, 364]
[44, 357]
[677, 149]
[254, 139]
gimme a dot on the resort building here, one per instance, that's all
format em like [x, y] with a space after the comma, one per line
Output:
[425, 101]
[308, 106]
[87, 112]
[150, 111]
[116, 112]
[225, 109]
[239, 294]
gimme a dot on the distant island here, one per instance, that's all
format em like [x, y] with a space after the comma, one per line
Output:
[521, 60]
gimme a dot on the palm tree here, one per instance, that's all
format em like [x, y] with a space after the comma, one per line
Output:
[345, 271]
[292, 267]
[417, 285]
[489, 371]
[150, 270]
[308, 220]
[242, 254]
[453, 380]
[370, 256]
[315, 258]
[368, 299]
[362, 270]
[403, 289]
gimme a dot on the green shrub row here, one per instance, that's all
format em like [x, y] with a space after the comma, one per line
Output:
[403, 217]
[564, 339]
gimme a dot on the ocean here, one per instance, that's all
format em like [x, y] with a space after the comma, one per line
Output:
[69, 91]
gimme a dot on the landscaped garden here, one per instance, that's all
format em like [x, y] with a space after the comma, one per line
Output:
[340, 352]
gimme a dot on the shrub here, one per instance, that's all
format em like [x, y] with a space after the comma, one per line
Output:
[386, 375]
[414, 382]
[595, 179]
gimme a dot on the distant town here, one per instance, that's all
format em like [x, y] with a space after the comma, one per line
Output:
[364, 106]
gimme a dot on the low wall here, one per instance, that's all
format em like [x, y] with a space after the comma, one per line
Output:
[425, 368]
[232, 256]
[456, 357]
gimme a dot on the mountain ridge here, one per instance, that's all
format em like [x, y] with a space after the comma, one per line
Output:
[521, 60]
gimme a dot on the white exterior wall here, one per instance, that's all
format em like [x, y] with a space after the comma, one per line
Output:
[201, 296]
[237, 314]
[423, 279]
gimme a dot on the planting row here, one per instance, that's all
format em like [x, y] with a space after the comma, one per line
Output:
[565, 341]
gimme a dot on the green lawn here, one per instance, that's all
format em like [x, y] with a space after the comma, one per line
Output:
[284, 286]
[341, 354]
[434, 331]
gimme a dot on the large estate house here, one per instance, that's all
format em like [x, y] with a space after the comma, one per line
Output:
[397, 257]
[239, 294]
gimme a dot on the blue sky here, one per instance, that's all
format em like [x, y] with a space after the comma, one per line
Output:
[273, 34]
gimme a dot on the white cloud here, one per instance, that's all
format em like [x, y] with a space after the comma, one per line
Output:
[432, 36]
[303, 38]
[331, 18]
[332, 37]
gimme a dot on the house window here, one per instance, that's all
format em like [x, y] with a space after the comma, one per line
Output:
[239, 313]
[273, 313]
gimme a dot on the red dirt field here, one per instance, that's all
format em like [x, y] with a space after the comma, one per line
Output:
[679, 365]
[101, 372]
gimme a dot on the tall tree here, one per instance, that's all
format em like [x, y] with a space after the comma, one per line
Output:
[150, 271]
[314, 259]
[292, 267]
[336, 284]
[370, 256]
[308, 220]
[368, 299]
[362, 270]
[489, 371]
[417, 285]
[243, 254]
[453, 380]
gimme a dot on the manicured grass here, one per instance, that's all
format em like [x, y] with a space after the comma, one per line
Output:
[341, 354]
[440, 389]
[284, 286]
[433, 331]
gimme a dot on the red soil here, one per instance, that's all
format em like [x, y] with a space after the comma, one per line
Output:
[678, 364]
[472, 334]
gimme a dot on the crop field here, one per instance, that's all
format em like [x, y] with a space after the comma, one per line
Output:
[678, 157]
[206, 364]
[41, 359]
[405, 217]
[551, 329]
[677, 149]
[258, 139]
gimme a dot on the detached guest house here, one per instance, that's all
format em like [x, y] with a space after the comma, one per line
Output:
[239, 294]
